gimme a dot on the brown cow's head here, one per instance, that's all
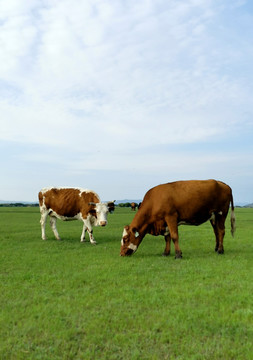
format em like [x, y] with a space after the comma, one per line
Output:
[130, 241]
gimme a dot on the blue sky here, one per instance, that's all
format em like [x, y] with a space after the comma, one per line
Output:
[120, 96]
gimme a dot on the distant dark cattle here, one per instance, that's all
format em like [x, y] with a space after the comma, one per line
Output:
[133, 206]
[73, 204]
[166, 206]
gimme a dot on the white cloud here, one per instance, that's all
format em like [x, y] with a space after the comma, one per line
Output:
[116, 76]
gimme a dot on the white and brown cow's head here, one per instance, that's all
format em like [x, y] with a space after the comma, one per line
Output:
[130, 241]
[100, 211]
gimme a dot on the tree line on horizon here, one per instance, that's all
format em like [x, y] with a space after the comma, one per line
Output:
[125, 204]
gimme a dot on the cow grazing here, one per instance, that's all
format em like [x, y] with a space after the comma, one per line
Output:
[133, 206]
[73, 204]
[166, 206]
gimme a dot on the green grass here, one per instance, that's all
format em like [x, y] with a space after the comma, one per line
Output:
[67, 300]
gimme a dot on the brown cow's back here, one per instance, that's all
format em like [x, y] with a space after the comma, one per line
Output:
[68, 202]
[194, 199]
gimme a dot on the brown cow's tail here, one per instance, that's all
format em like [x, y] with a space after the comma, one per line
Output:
[232, 218]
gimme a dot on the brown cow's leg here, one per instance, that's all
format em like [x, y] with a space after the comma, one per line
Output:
[178, 252]
[221, 233]
[167, 239]
[216, 234]
[173, 229]
[219, 230]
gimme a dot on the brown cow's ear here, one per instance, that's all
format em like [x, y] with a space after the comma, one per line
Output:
[136, 232]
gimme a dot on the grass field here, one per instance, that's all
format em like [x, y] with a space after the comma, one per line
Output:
[68, 300]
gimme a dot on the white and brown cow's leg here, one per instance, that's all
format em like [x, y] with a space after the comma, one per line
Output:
[88, 228]
[90, 232]
[83, 233]
[54, 228]
[43, 220]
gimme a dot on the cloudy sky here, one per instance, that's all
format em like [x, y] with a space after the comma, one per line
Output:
[121, 95]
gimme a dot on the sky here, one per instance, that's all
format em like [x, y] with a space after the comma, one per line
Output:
[120, 96]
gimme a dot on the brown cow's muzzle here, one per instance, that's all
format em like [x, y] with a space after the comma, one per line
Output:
[127, 252]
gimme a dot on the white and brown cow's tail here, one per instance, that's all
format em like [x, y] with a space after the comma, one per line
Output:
[232, 218]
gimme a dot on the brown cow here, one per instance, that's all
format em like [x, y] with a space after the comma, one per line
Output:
[73, 204]
[133, 206]
[166, 206]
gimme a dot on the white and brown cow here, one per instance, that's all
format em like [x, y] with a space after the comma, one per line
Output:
[166, 206]
[73, 204]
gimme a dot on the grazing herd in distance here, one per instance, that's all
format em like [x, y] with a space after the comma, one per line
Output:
[163, 209]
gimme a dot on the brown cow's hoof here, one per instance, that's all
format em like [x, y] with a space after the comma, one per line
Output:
[220, 252]
[166, 254]
[178, 256]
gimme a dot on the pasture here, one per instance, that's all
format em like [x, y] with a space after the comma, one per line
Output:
[71, 300]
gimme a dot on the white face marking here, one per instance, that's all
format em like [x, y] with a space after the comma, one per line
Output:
[124, 234]
[132, 247]
[102, 211]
